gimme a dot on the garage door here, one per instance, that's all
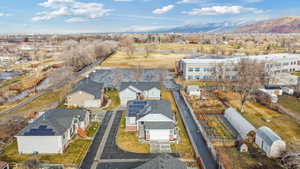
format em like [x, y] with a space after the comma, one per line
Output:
[159, 135]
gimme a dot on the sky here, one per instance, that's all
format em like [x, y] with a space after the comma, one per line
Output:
[94, 16]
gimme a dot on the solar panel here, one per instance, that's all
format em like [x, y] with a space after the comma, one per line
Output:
[41, 131]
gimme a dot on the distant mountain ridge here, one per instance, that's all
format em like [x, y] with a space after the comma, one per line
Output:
[280, 25]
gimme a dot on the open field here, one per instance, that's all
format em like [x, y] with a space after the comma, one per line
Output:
[291, 103]
[128, 141]
[155, 60]
[72, 155]
[184, 147]
[259, 115]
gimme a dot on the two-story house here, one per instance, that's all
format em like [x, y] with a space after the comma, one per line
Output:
[152, 119]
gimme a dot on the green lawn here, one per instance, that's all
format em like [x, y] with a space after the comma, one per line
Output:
[92, 129]
[74, 153]
[184, 147]
[113, 95]
[128, 141]
[290, 102]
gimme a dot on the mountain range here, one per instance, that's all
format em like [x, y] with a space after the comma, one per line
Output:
[279, 25]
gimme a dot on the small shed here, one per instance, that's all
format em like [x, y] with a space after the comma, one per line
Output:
[269, 142]
[239, 123]
[193, 90]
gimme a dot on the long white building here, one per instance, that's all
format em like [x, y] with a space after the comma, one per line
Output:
[203, 68]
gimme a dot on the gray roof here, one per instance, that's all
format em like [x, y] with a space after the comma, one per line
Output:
[267, 135]
[57, 120]
[159, 125]
[163, 161]
[141, 108]
[143, 86]
[238, 122]
[89, 86]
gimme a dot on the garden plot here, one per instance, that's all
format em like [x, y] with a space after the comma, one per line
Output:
[211, 105]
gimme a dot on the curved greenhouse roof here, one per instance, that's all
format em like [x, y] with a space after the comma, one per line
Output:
[238, 122]
[268, 135]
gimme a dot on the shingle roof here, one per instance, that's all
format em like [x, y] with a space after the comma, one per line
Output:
[267, 134]
[53, 122]
[163, 161]
[143, 86]
[159, 125]
[89, 86]
[141, 108]
[238, 122]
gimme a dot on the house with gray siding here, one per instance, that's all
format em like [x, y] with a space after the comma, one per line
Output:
[86, 93]
[153, 120]
[139, 91]
[163, 161]
[52, 131]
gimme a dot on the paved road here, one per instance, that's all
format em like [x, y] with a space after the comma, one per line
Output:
[198, 139]
[42, 92]
[92, 152]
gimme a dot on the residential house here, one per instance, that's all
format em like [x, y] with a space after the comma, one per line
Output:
[152, 119]
[139, 91]
[193, 90]
[163, 161]
[269, 142]
[86, 93]
[52, 131]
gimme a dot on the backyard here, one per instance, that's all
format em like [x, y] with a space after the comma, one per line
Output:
[184, 147]
[291, 103]
[128, 141]
[73, 154]
[113, 95]
[260, 115]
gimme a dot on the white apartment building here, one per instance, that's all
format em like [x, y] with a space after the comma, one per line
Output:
[203, 68]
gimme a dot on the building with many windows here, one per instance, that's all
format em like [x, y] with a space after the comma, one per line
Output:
[205, 67]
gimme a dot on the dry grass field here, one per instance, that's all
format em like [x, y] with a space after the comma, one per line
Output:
[155, 60]
[259, 115]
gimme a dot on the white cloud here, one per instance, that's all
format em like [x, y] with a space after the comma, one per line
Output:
[221, 10]
[5, 14]
[77, 11]
[163, 9]
[187, 1]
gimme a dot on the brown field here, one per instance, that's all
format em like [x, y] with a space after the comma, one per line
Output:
[155, 60]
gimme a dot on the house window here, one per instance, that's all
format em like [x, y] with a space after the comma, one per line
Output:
[190, 77]
[191, 69]
[197, 69]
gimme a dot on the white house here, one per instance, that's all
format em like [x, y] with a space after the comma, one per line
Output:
[152, 119]
[139, 91]
[269, 142]
[52, 131]
[193, 90]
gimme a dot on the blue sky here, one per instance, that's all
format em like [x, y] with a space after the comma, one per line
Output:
[73, 16]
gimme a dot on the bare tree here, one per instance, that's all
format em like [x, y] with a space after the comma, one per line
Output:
[291, 160]
[128, 44]
[220, 77]
[250, 76]
[193, 38]
[148, 49]
[138, 73]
